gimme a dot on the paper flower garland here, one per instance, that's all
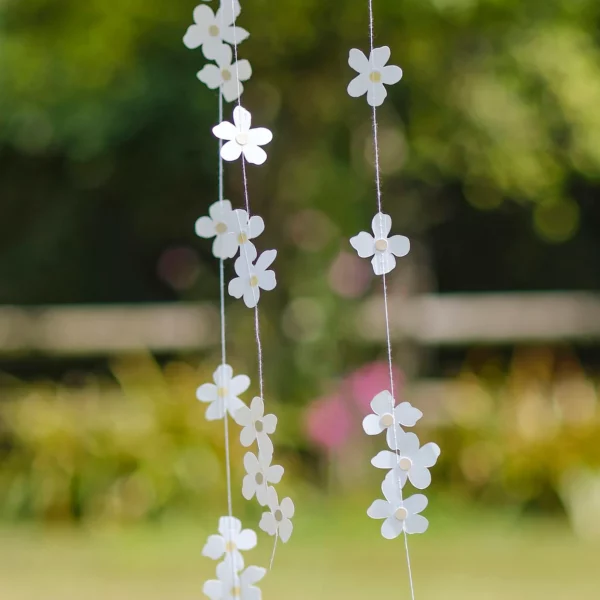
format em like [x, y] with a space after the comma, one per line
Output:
[235, 231]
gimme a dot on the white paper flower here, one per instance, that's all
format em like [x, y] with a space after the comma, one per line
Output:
[230, 542]
[218, 225]
[277, 521]
[260, 473]
[240, 139]
[211, 30]
[372, 74]
[225, 75]
[256, 426]
[251, 276]
[379, 246]
[223, 393]
[233, 586]
[400, 515]
[386, 415]
[245, 228]
[409, 461]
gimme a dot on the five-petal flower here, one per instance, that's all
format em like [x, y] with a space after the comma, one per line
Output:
[408, 460]
[372, 74]
[277, 521]
[218, 225]
[252, 276]
[223, 393]
[230, 542]
[211, 30]
[244, 228]
[240, 139]
[256, 426]
[259, 474]
[390, 418]
[225, 75]
[379, 246]
[400, 515]
[233, 586]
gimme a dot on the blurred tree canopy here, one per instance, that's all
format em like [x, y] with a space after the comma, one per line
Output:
[490, 144]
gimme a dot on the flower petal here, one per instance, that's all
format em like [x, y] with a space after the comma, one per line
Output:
[260, 136]
[249, 486]
[243, 416]
[379, 57]
[213, 48]
[215, 411]
[415, 504]
[416, 524]
[232, 90]
[207, 392]
[224, 59]
[213, 589]
[428, 455]
[364, 244]
[242, 119]
[382, 403]
[234, 35]
[247, 436]
[237, 287]
[273, 500]
[231, 151]
[376, 94]
[270, 423]
[265, 446]
[407, 414]
[257, 408]
[287, 508]
[380, 509]
[251, 296]
[385, 460]
[268, 523]
[408, 444]
[251, 463]
[246, 540]
[219, 211]
[420, 477]
[267, 280]
[371, 425]
[252, 575]
[234, 404]
[358, 86]
[256, 226]
[222, 375]
[211, 76]
[275, 473]
[392, 435]
[225, 245]
[391, 528]
[358, 60]
[229, 527]
[239, 384]
[194, 37]
[203, 15]
[205, 228]
[391, 74]
[265, 260]
[225, 131]
[391, 490]
[383, 262]
[381, 225]
[237, 220]
[242, 69]
[254, 154]
[214, 547]
[285, 530]
[399, 245]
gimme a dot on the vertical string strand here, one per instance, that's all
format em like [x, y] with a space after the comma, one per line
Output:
[385, 292]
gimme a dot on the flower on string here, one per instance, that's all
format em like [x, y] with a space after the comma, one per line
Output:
[259, 473]
[379, 246]
[409, 461]
[211, 30]
[372, 74]
[230, 542]
[225, 75]
[230, 585]
[386, 416]
[241, 139]
[218, 225]
[400, 515]
[256, 426]
[277, 521]
[244, 228]
[223, 393]
[251, 276]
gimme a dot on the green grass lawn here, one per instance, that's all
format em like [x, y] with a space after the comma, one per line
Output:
[336, 553]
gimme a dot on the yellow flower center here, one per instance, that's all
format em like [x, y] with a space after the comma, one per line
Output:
[401, 513]
[405, 463]
[236, 592]
[381, 245]
[220, 228]
[213, 31]
[222, 392]
[242, 238]
[386, 420]
[229, 547]
[226, 75]
[241, 139]
[375, 76]
[253, 281]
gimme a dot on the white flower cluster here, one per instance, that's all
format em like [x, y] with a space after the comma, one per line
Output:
[222, 397]
[406, 460]
[234, 582]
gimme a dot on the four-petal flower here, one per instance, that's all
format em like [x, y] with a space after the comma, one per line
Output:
[259, 474]
[372, 74]
[256, 426]
[379, 246]
[408, 460]
[400, 515]
[218, 225]
[244, 228]
[240, 139]
[230, 542]
[277, 521]
[223, 393]
[225, 75]
[251, 276]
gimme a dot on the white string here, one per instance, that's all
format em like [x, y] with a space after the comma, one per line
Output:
[385, 293]
[243, 246]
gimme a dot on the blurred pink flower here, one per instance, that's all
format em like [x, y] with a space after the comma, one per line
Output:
[365, 383]
[328, 422]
